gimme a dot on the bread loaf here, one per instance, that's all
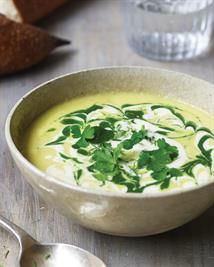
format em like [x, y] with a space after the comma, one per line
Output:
[28, 10]
[23, 45]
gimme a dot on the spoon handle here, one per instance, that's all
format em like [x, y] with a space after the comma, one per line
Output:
[24, 239]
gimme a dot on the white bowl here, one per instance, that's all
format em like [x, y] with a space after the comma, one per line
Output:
[125, 214]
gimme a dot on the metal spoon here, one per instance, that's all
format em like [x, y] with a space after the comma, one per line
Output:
[34, 254]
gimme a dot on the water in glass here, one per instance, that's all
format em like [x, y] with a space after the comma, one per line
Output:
[169, 29]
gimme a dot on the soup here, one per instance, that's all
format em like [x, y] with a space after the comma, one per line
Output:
[124, 142]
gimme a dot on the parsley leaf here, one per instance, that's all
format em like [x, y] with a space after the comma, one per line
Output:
[111, 120]
[86, 111]
[136, 138]
[172, 110]
[134, 114]
[67, 158]
[105, 162]
[131, 182]
[92, 108]
[157, 160]
[58, 141]
[87, 135]
[165, 184]
[71, 121]
[83, 151]
[51, 130]
[66, 131]
[206, 153]
[105, 124]
[189, 166]
[77, 176]
[101, 135]
[75, 130]
[80, 115]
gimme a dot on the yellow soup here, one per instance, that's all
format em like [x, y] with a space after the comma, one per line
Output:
[124, 142]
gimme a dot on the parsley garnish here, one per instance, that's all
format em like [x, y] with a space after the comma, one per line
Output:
[136, 138]
[105, 160]
[51, 130]
[58, 141]
[157, 160]
[87, 135]
[134, 114]
[65, 157]
[71, 121]
[189, 166]
[77, 175]
[108, 145]
[101, 134]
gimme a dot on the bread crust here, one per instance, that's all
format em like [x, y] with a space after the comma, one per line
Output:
[33, 10]
[23, 45]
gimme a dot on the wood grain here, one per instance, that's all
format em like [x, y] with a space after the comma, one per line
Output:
[96, 28]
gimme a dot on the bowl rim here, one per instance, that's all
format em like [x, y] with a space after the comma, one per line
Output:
[32, 168]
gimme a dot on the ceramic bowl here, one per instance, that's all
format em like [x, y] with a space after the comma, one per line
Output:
[124, 214]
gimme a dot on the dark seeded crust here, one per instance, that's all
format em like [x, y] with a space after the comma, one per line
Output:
[22, 45]
[33, 10]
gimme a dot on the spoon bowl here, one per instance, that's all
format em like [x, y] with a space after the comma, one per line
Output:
[34, 254]
[55, 255]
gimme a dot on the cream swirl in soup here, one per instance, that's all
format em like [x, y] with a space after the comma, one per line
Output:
[124, 142]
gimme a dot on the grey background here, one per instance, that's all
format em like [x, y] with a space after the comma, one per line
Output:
[96, 29]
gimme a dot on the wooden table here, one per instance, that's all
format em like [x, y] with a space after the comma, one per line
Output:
[96, 28]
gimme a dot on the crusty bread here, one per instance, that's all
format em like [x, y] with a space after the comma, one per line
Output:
[23, 45]
[28, 10]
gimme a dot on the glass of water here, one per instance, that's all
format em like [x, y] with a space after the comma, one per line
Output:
[169, 29]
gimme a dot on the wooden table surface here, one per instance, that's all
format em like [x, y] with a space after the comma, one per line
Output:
[96, 29]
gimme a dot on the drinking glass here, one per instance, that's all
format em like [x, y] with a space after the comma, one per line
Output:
[169, 29]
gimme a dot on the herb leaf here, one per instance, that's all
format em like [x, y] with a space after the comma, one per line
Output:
[71, 121]
[67, 158]
[134, 114]
[136, 138]
[66, 131]
[101, 135]
[51, 130]
[87, 135]
[77, 176]
[58, 141]
[97, 136]
[104, 160]
[131, 182]
[172, 110]
[189, 166]
[83, 152]
[86, 111]
[157, 160]
[75, 130]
